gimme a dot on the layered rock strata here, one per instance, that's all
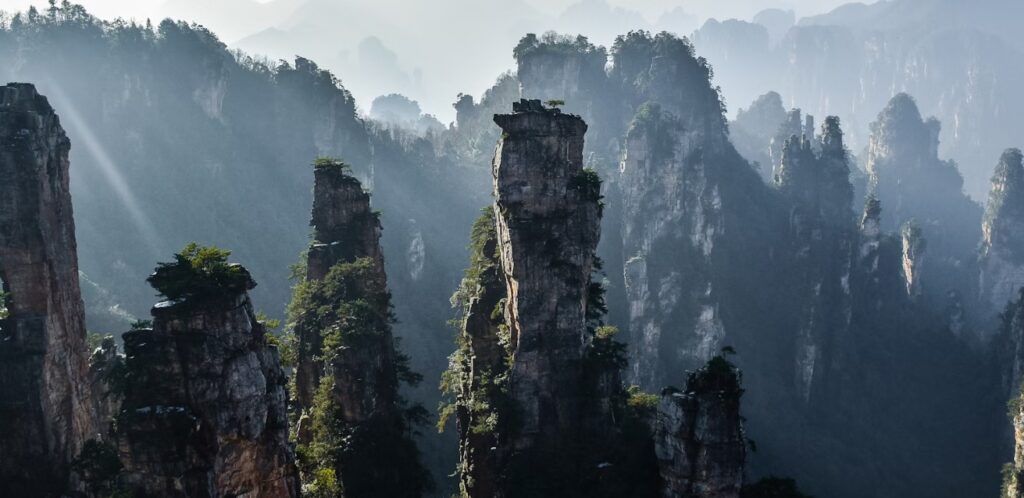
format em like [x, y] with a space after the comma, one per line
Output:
[44, 401]
[699, 439]
[204, 410]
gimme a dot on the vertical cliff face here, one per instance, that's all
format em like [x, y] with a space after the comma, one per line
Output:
[106, 376]
[907, 176]
[822, 230]
[914, 245]
[534, 378]
[344, 229]
[789, 128]
[755, 127]
[204, 410]
[353, 430]
[699, 439]
[44, 403]
[548, 224]
[1002, 243]
[479, 370]
[1011, 360]
[682, 183]
[1013, 473]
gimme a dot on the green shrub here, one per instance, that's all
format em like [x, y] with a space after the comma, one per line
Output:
[199, 272]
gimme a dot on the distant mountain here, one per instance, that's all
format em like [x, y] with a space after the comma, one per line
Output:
[958, 59]
[231, 19]
[331, 32]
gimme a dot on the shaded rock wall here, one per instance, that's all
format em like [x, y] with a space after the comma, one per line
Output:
[44, 403]
[548, 225]
[1002, 243]
[699, 439]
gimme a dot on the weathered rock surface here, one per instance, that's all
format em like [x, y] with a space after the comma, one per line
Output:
[204, 413]
[1011, 359]
[699, 439]
[44, 400]
[1013, 473]
[529, 395]
[344, 229]
[1002, 243]
[548, 225]
[481, 365]
[353, 423]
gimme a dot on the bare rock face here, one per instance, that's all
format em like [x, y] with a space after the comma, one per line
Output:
[204, 413]
[548, 225]
[1013, 473]
[344, 229]
[1002, 243]
[349, 368]
[44, 403]
[699, 438]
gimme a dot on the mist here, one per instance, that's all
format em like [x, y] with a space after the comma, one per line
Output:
[520, 248]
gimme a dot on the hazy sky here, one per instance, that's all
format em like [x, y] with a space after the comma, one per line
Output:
[429, 50]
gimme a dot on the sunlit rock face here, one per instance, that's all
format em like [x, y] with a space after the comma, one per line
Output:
[548, 225]
[699, 439]
[1002, 243]
[44, 400]
[204, 412]
[344, 229]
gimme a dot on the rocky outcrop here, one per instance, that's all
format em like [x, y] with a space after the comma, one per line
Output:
[344, 230]
[548, 223]
[353, 425]
[479, 368]
[695, 227]
[1002, 243]
[821, 229]
[204, 410]
[794, 126]
[699, 439]
[907, 176]
[754, 129]
[914, 245]
[44, 403]
[530, 395]
[1013, 473]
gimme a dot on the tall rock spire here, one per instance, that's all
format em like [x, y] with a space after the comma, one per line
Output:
[1002, 243]
[548, 224]
[44, 398]
[353, 426]
[699, 439]
[815, 180]
[532, 384]
[906, 174]
[345, 229]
